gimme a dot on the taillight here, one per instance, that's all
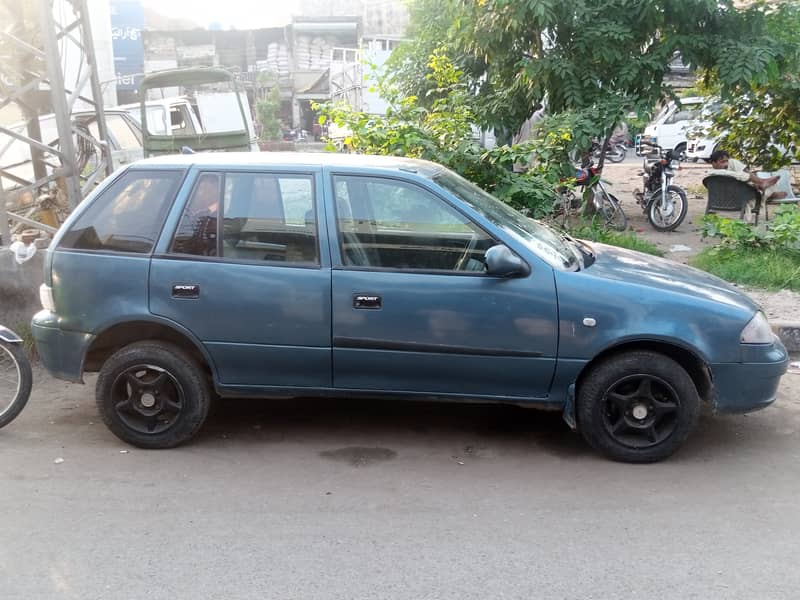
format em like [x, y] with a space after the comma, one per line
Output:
[46, 297]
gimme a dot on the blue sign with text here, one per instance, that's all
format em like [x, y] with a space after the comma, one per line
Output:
[127, 23]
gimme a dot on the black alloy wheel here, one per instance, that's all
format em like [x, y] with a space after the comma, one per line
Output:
[640, 411]
[147, 399]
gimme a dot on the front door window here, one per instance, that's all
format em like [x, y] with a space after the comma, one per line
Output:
[390, 224]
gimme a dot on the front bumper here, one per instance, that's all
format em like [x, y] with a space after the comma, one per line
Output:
[749, 386]
[60, 351]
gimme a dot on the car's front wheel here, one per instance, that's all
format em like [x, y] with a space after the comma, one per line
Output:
[152, 395]
[637, 406]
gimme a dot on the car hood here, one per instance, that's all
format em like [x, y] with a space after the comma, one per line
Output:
[654, 273]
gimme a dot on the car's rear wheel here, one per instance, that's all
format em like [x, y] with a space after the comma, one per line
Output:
[637, 407]
[153, 395]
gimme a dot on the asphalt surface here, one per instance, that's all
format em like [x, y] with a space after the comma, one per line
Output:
[322, 499]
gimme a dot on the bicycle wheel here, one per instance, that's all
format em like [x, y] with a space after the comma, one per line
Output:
[15, 381]
[612, 213]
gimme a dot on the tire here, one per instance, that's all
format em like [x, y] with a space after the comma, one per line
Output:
[16, 380]
[153, 395]
[637, 406]
[617, 154]
[670, 222]
[612, 213]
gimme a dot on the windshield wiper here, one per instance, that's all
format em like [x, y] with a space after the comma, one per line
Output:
[586, 253]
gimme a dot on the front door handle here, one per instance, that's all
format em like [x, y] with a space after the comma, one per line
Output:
[368, 301]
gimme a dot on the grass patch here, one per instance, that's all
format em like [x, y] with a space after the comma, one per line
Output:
[626, 239]
[23, 330]
[760, 267]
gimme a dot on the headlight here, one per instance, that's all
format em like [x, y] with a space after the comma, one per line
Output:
[757, 331]
[46, 297]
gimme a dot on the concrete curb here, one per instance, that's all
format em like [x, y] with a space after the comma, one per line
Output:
[789, 333]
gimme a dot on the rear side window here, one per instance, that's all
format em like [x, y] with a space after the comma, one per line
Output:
[197, 230]
[264, 217]
[128, 216]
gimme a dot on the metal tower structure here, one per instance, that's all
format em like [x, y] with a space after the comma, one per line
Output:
[38, 40]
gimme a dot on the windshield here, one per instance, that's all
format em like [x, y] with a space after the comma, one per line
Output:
[156, 118]
[543, 241]
[663, 113]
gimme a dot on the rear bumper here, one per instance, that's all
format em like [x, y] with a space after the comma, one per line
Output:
[60, 351]
[748, 386]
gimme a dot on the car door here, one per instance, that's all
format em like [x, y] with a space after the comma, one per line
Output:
[126, 142]
[414, 311]
[242, 269]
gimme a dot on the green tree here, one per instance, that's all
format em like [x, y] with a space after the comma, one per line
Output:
[268, 107]
[599, 58]
[760, 118]
[440, 129]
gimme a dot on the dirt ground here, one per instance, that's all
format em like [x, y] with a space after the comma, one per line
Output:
[686, 241]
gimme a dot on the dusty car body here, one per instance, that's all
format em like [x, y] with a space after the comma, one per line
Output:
[271, 274]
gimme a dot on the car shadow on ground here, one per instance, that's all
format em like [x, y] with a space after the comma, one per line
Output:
[474, 430]
[368, 422]
[452, 430]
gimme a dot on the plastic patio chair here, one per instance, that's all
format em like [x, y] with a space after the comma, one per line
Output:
[729, 194]
[784, 185]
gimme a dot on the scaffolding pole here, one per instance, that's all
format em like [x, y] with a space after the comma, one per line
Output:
[32, 69]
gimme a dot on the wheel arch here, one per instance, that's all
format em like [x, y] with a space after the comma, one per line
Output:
[117, 335]
[691, 361]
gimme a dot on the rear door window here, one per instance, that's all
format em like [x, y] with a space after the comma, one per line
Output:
[250, 216]
[128, 215]
[197, 230]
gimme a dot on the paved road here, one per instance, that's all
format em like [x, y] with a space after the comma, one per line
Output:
[313, 499]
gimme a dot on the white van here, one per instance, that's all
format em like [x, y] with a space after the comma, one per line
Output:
[701, 144]
[669, 128]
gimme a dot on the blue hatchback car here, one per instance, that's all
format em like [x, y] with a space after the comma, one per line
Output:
[272, 274]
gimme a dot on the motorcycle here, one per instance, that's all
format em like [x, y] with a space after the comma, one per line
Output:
[664, 204]
[15, 376]
[606, 205]
[616, 151]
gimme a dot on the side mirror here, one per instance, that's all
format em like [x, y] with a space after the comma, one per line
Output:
[502, 262]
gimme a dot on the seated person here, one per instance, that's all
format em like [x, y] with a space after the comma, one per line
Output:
[730, 167]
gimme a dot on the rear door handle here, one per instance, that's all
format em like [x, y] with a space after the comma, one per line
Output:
[368, 301]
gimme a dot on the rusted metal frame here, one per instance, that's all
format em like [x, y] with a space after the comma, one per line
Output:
[5, 230]
[97, 92]
[59, 101]
[22, 44]
[31, 142]
[32, 223]
[32, 185]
